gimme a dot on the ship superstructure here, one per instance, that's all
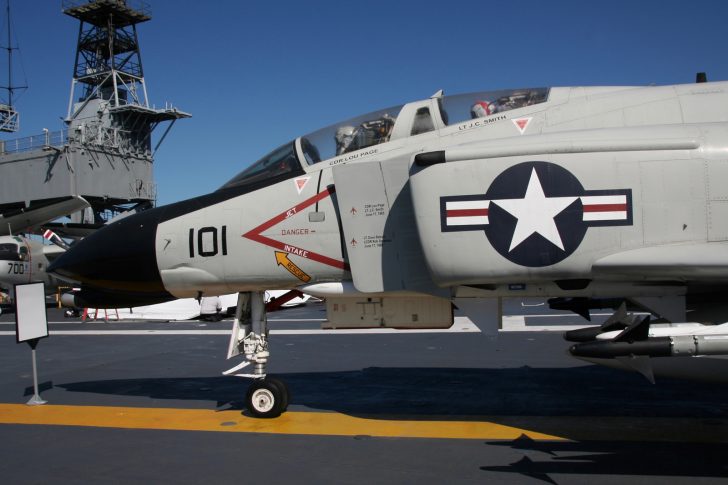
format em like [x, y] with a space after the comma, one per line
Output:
[105, 154]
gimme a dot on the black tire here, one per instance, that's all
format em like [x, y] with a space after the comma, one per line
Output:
[264, 399]
[285, 393]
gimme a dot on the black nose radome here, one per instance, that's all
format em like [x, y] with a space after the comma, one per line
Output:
[118, 258]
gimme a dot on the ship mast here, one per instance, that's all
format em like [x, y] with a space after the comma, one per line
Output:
[9, 118]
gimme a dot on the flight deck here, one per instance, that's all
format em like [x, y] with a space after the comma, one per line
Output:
[146, 402]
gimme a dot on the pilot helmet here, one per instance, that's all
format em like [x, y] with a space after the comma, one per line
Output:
[481, 109]
[344, 137]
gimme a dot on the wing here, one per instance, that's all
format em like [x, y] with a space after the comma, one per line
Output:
[18, 220]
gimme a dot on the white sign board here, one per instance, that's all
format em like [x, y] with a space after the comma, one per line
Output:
[31, 321]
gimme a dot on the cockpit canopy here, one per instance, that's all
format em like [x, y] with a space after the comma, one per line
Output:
[13, 251]
[377, 127]
[350, 135]
[464, 107]
[280, 161]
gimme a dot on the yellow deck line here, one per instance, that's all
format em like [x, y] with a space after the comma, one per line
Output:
[302, 423]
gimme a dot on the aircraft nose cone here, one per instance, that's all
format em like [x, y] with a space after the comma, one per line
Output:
[118, 257]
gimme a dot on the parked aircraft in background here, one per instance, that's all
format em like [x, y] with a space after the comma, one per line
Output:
[19, 219]
[213, 308]
[24, 260]
[397, 215]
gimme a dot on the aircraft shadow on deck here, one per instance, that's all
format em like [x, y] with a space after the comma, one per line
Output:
[546, 460]
[512, 397]
[450, 393]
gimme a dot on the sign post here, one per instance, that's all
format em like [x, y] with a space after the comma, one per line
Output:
[31, 324]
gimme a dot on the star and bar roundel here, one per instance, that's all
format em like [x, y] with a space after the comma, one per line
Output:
[536, 213]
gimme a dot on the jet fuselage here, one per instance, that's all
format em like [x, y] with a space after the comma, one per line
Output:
[587, 191]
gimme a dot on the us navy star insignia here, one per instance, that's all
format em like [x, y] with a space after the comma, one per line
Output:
[536, 213]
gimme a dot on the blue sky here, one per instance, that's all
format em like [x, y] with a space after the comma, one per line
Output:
[255, 74]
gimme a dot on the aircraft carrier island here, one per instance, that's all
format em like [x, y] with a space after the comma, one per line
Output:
[101, 164]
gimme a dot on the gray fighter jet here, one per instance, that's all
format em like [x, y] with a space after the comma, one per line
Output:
[398, 215]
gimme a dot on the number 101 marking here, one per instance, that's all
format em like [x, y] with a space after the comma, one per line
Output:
[207, 241]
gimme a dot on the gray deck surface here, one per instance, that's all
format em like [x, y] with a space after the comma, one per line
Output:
[621, 429]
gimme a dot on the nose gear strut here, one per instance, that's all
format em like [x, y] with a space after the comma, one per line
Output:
[267, 397]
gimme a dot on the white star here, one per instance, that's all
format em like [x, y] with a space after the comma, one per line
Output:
[535, 213]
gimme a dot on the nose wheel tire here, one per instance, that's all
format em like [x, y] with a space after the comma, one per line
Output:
[267, 398]
[286, 394]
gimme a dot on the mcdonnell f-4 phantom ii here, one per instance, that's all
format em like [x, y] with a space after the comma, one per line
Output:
[399, 215]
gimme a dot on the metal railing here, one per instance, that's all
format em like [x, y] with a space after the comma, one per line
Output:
[9, 119]
[34, 142]
[138, 5]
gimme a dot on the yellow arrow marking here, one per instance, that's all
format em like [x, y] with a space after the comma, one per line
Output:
[282, 260]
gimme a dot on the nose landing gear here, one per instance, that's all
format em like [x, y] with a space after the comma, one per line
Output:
[267, 397]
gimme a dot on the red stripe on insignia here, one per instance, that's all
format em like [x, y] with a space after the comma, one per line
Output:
[467, 212]
[605, 208]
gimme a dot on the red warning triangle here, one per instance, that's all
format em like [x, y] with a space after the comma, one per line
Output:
[301, 183]
[522, 123]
